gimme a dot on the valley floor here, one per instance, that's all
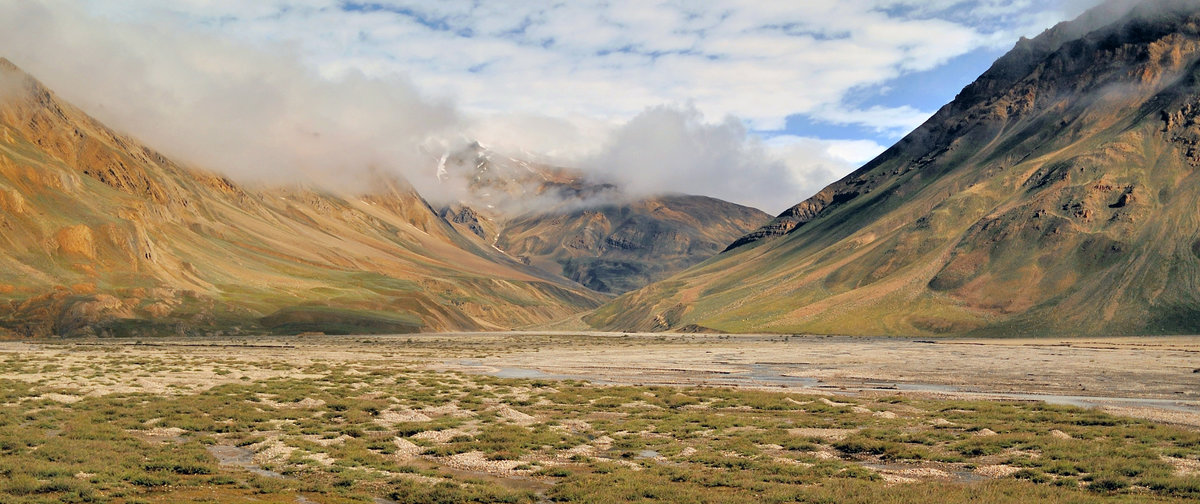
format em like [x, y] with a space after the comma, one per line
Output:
[600, 417]
[1150, 377]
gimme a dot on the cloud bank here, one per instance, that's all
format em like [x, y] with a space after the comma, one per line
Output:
[258, 115]
[321, 91]
[676, 148]
[759, 61]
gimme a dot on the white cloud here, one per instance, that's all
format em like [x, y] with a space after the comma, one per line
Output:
[254, 113]
[853, 153]
[564, 141]
[676, 149]
[308, 89]
[814, 163]
[890, 121]
[759, 61]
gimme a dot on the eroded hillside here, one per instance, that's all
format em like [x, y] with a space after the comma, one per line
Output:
[1055, 195]
[102, 235]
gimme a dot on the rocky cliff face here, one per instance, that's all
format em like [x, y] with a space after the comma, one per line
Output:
[102, 235]
[1056, 194]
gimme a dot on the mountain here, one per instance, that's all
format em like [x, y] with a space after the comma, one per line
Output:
[620, 246]
[102, 235]
[1057, 194]
[558, 220]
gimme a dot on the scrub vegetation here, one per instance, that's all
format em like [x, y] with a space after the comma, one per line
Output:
[129, 423]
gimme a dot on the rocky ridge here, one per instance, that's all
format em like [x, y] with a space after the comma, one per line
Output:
[1054, 195]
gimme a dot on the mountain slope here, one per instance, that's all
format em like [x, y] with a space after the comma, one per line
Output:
[620, 246]
[557, 220]
[100, 234]
[1057, 194]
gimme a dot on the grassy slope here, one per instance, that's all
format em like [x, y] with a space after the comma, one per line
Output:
[1050, 197]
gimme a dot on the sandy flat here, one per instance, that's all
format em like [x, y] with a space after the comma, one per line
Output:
[1150, 377]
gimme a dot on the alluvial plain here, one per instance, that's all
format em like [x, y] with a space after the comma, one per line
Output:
[425, 418]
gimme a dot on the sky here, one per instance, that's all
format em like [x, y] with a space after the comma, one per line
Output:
[758, 102]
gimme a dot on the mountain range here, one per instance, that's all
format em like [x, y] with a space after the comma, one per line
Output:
[559, 220]
[1057, 194]
[103, 235]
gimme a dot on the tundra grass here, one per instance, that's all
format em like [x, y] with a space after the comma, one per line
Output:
[118, 426]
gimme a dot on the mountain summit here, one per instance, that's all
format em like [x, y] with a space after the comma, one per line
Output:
[1057, 194]
[559, 220]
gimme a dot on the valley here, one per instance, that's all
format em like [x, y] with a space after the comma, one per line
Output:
[104, 236]
[327, 290]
